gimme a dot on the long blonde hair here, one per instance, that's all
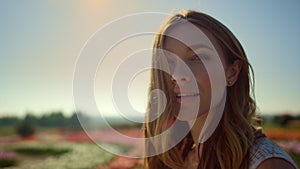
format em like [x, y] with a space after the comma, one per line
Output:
[228, 146]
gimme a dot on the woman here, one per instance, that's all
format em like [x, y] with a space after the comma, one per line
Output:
[222, 133]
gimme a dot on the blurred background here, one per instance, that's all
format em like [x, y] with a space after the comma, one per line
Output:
[41, 40]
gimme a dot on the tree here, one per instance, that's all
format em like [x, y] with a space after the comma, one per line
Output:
[25, 130]
[283, 119]
[31, 119]
[9, 121]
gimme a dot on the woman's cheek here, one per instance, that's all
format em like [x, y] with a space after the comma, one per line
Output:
[201, 76]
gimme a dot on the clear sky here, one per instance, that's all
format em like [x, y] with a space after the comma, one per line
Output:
[40, 41]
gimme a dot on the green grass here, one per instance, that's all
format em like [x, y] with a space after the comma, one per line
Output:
[7, 130]
[41, 150]
[272, 126]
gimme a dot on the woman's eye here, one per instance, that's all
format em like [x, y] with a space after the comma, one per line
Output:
[196, 57]
[199, 57]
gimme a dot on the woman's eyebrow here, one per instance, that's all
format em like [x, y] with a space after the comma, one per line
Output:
[193, 48]
[199, 46]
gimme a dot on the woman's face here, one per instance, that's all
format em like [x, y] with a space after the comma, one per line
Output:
[201, 55]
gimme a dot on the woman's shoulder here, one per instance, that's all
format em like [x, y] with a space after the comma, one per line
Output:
[265, 150]
[276, 163]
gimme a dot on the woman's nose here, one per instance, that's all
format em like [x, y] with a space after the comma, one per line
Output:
[180, 74]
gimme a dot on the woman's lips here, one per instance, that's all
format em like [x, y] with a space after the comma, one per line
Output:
[186, 97]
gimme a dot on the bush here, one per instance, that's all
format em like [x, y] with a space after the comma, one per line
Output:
[283, 119]
[7, 163]
[41, 151]
[25, 130]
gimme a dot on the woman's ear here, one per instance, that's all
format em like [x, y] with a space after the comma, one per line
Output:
[232, 72]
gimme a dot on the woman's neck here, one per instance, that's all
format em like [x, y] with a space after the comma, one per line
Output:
[196, 127]
[192, 160]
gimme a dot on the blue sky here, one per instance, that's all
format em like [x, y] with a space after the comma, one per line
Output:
[40, 41]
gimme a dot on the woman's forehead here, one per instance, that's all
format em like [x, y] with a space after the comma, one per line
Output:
[171, 44]
[188, 34]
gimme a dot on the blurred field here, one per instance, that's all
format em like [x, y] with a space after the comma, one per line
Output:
[58, 149]
[68, 146]
[54, 148]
